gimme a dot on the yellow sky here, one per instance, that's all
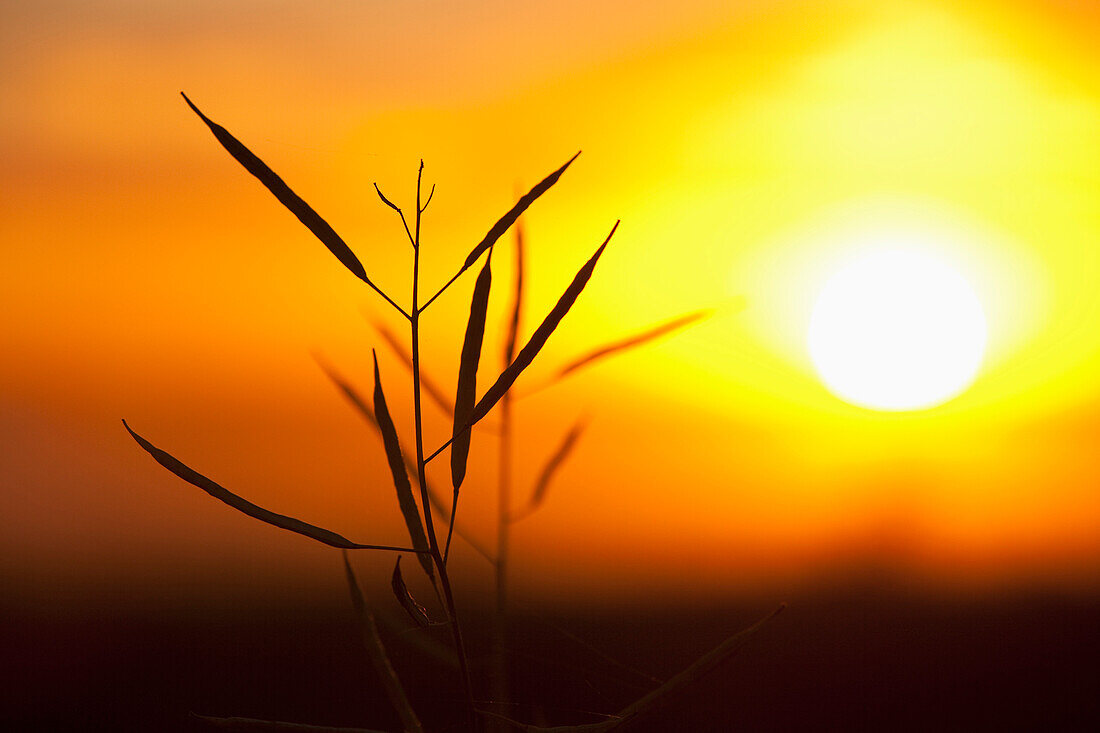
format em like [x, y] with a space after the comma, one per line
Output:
[746, 150]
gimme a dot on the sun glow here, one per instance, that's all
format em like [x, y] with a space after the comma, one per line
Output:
[896, 330]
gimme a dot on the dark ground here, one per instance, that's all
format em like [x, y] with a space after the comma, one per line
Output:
[864, 659]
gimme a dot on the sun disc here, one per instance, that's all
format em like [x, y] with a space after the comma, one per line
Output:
[897, 330]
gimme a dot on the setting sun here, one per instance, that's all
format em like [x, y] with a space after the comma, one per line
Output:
[896, 330]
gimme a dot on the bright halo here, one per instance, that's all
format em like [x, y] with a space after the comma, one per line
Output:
[897, 330]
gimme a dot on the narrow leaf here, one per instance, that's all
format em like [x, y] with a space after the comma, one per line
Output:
[551, 467]
[466, 394]
[400, 476]
[427, 383]
[242, 505]
[418, 613]
[508, 219]
[287, 198]
[538, 339]
[632, 341]
[517, 300]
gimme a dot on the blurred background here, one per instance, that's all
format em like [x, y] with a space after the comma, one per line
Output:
[941, 565]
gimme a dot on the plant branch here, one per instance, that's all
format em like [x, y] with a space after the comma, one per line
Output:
[441, 290]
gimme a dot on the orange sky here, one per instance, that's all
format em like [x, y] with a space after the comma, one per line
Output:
[147, 276]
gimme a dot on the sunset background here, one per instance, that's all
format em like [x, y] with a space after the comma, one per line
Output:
[745, 146]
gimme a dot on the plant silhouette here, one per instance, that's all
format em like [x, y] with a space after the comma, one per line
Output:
[430, 546]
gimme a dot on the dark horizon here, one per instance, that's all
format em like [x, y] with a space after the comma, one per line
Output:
[867, 656]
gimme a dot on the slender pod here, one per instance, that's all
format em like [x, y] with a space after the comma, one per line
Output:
[538, 339]
[546, 476]
[531, 349]
[630, 342]
[352, 395]
[466, 394]
[400, 477]
[292, 201]
[508, 219]
[417, 612]
[244, 506]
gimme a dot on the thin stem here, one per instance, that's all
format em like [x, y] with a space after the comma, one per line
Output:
[440, 449]
[387, 548]
[389, 300]
[450, 527]
[415, 321]
[504, 498]
[440, 291]
[433, 541]
[501, 657]
[460, 647]
[407, 232]
[437, 451]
